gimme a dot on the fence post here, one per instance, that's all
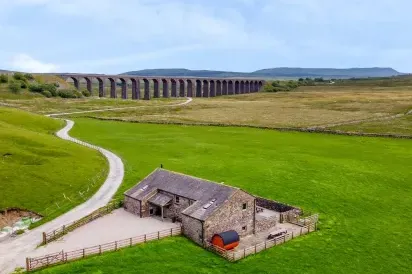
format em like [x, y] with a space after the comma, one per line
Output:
[64, 228]
[171, 232]
[130, 241]
[292, 234]
[158, 235]
[44, 238]
[265, 244]
[144, 237]
[275, 241]
[255, 249]
[244, 253]
[27, 264]
[300, 230]
[83, 253]
[115, 245]
[100, 250]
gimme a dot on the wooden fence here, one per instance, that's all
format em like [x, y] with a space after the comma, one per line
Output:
[59, 232]
[64, 257]
[235, 255]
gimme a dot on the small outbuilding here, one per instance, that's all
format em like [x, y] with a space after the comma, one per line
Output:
[226, 240]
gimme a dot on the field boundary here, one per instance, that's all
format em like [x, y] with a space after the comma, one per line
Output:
[290, 129]
[62, 257]
[61, 231]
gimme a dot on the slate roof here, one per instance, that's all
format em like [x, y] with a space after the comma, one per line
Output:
[160, 199]
[200, 190]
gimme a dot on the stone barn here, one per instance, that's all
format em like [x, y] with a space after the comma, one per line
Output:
[203, 207]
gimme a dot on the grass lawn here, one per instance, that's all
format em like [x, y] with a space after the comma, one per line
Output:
[361, 187]
[37, 169]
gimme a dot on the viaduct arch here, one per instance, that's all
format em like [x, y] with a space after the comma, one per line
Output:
[143, 87]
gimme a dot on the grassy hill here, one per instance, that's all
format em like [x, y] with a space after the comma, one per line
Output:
[274, 73]
[360, 186]
[38, 170]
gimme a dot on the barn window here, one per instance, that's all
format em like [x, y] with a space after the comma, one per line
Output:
[151, 211]
[244, 206]
[244, 228]
[177, 200]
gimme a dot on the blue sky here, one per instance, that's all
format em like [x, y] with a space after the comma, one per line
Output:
[114, 36]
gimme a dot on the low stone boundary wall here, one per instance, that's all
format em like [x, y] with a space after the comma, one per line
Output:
[64, 257]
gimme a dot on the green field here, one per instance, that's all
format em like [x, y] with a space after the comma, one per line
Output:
[37, 168]
[360, 186]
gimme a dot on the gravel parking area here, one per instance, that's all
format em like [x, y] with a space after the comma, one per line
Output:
[118, 225]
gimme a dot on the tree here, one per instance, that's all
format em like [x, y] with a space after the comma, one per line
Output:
[301, 80]
[14, 86]
[4, 78]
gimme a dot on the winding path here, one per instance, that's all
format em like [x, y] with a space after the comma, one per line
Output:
[14, 251]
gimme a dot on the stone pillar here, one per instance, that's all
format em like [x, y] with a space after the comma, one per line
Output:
[156, 93]
[230, 87]
[89, 85]
[101, 87]
[135, 89]
[242, 87]
[212, 88]
[247, 87]
[76, 83]
[218, 88]
[260, 85]
[206, 88]
[198, 88]
[165, 88]
[112, 88]
[124, 88]
[182, 88]
[174, 87]
[237, 87]
[189, 88]
[225, 88]
[146, 89]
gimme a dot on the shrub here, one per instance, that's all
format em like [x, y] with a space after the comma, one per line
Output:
[4, 78]
[20, 231]
[78, 93]
[28, 76]
[67, 93]
[23, 84]
[19, 76]
[36, 87]
[86, 93]
[56, 84]
[47, 93]
[50, 88]
[14, 86]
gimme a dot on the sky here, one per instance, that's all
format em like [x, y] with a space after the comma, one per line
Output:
[115, 36]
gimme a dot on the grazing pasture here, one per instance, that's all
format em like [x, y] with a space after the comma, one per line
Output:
[360, 185]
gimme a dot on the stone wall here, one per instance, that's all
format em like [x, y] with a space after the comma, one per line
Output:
[145, 204]
[192, 228]
[232, 216]
[131, 205]
[175, 209]
[263, 223]
[274, 205]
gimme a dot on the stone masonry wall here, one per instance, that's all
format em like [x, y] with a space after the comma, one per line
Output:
[274, 205]
[175, 209]
[231, 216]
[145, 204]
[131, 205]
[263, 224]
[192, 228]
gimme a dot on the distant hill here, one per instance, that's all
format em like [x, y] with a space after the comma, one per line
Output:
[274, 73]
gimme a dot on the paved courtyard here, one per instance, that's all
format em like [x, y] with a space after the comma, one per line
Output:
[118, 225]
[261, 237]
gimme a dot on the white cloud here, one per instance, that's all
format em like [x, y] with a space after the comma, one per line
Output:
[25, 63]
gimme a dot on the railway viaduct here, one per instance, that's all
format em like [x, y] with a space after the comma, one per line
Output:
[170, 86]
